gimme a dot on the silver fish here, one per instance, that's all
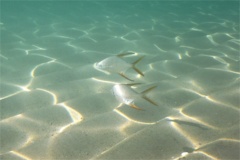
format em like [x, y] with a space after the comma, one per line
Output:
[115, 64]
[127, 95]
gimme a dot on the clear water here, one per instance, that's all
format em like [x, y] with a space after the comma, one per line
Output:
[56, 104]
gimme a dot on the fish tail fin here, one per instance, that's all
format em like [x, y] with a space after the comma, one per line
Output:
[148, 89]
[134, 66]
[124, 76]
[150, 101]
[125, 54]
[146, 98]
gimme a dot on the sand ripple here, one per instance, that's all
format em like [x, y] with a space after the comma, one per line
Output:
[55, 103]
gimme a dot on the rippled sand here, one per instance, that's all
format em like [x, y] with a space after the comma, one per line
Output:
[55, 104]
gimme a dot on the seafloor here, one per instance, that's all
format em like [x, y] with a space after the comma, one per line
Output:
[56, 104]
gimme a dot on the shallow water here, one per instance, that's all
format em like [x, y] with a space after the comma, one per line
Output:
[55, 103]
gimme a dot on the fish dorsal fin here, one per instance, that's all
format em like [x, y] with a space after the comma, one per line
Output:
[134, 66]
[125, 54]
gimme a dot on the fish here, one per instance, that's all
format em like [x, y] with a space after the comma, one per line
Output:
[115, 64]
[126, 95]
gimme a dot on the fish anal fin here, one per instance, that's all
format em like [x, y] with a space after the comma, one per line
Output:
[150, 101]
[134, 66]
[125, 54]
[124, 76]
[135, 107]
[148, 90]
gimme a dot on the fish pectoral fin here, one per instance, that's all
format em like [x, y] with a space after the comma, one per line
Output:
[125, 54]
[135, 107]
[124, 76]
[148, 90]
[134, 66]
[150, 101]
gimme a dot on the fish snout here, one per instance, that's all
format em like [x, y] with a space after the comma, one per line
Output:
[99, 65]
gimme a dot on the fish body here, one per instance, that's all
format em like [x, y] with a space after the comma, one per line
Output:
[124, 94]
[113, 65]
[127, 95]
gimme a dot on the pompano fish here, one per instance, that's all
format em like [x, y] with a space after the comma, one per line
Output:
[115, 64]
[127, 95]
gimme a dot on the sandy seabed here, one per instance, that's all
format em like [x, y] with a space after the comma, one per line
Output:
[55, 103]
